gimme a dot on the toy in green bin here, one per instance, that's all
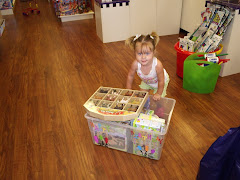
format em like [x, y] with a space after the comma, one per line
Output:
[200, 76]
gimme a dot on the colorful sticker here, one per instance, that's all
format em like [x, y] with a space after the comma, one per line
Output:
[109, 136]
[146, 144]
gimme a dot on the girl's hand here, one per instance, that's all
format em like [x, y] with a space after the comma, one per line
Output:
[156, 97]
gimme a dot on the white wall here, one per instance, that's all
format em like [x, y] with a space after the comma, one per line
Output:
[142, 16]
[191, 14]
[168, 16]
[162, 16]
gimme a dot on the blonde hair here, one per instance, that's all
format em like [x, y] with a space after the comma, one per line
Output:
[152, 38]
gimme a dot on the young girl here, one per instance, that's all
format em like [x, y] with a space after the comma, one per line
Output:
[149, 68]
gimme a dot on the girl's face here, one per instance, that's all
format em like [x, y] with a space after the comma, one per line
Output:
[144, 53]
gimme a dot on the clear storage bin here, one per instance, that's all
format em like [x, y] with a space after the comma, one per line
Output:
[122, 136]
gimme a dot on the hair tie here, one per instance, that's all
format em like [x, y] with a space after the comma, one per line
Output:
[136, 37]
[151, 36]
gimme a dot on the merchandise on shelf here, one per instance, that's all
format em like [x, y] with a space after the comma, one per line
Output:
[6, 4]
[72, 7]
[207, 37]
[110, 1]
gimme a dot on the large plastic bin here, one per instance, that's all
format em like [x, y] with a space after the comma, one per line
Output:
[200, 79]
[182, 55]
[130, 139]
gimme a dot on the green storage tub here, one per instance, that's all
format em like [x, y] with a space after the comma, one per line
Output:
[200, 79]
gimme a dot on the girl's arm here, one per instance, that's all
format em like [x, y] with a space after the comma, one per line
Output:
[131, 74]
[161, 81]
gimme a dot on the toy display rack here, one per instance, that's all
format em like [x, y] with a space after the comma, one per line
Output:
[72, 10]
[7, 7]
[231, 39]
[115, 104]
[88, 15]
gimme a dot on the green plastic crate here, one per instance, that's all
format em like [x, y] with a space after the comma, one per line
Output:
[200, 79]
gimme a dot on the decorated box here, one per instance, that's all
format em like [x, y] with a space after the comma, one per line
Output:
[115, 104]
[135, 140]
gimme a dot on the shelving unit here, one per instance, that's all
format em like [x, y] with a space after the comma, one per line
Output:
[75, 17]
[7, 6]
[231, 41]
[119, 19]
[71, 10]
[112, 20]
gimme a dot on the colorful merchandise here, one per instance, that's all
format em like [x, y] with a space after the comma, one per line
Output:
[207, 37]
[6, 4]
[151, 122]
[72, 7]
[212, 57]
[114, 104]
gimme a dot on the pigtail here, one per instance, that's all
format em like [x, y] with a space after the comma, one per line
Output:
[130, 42]
[155, 38]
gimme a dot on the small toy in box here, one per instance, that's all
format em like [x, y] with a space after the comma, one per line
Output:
[149, 121]
[115, 104]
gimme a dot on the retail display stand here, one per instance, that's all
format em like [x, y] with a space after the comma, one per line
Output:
[119, 19]
[231, 46]
[75, 17]
[112, 20]
[231, 42]
[71, 10]
[6, 7]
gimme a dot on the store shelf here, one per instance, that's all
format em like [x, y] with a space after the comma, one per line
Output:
[75, 17]
[230, 3]
[8, 11]
[72, 10]
[231, 41]
[112, 21]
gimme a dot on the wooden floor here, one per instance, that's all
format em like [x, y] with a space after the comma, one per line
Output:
[48, 69]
